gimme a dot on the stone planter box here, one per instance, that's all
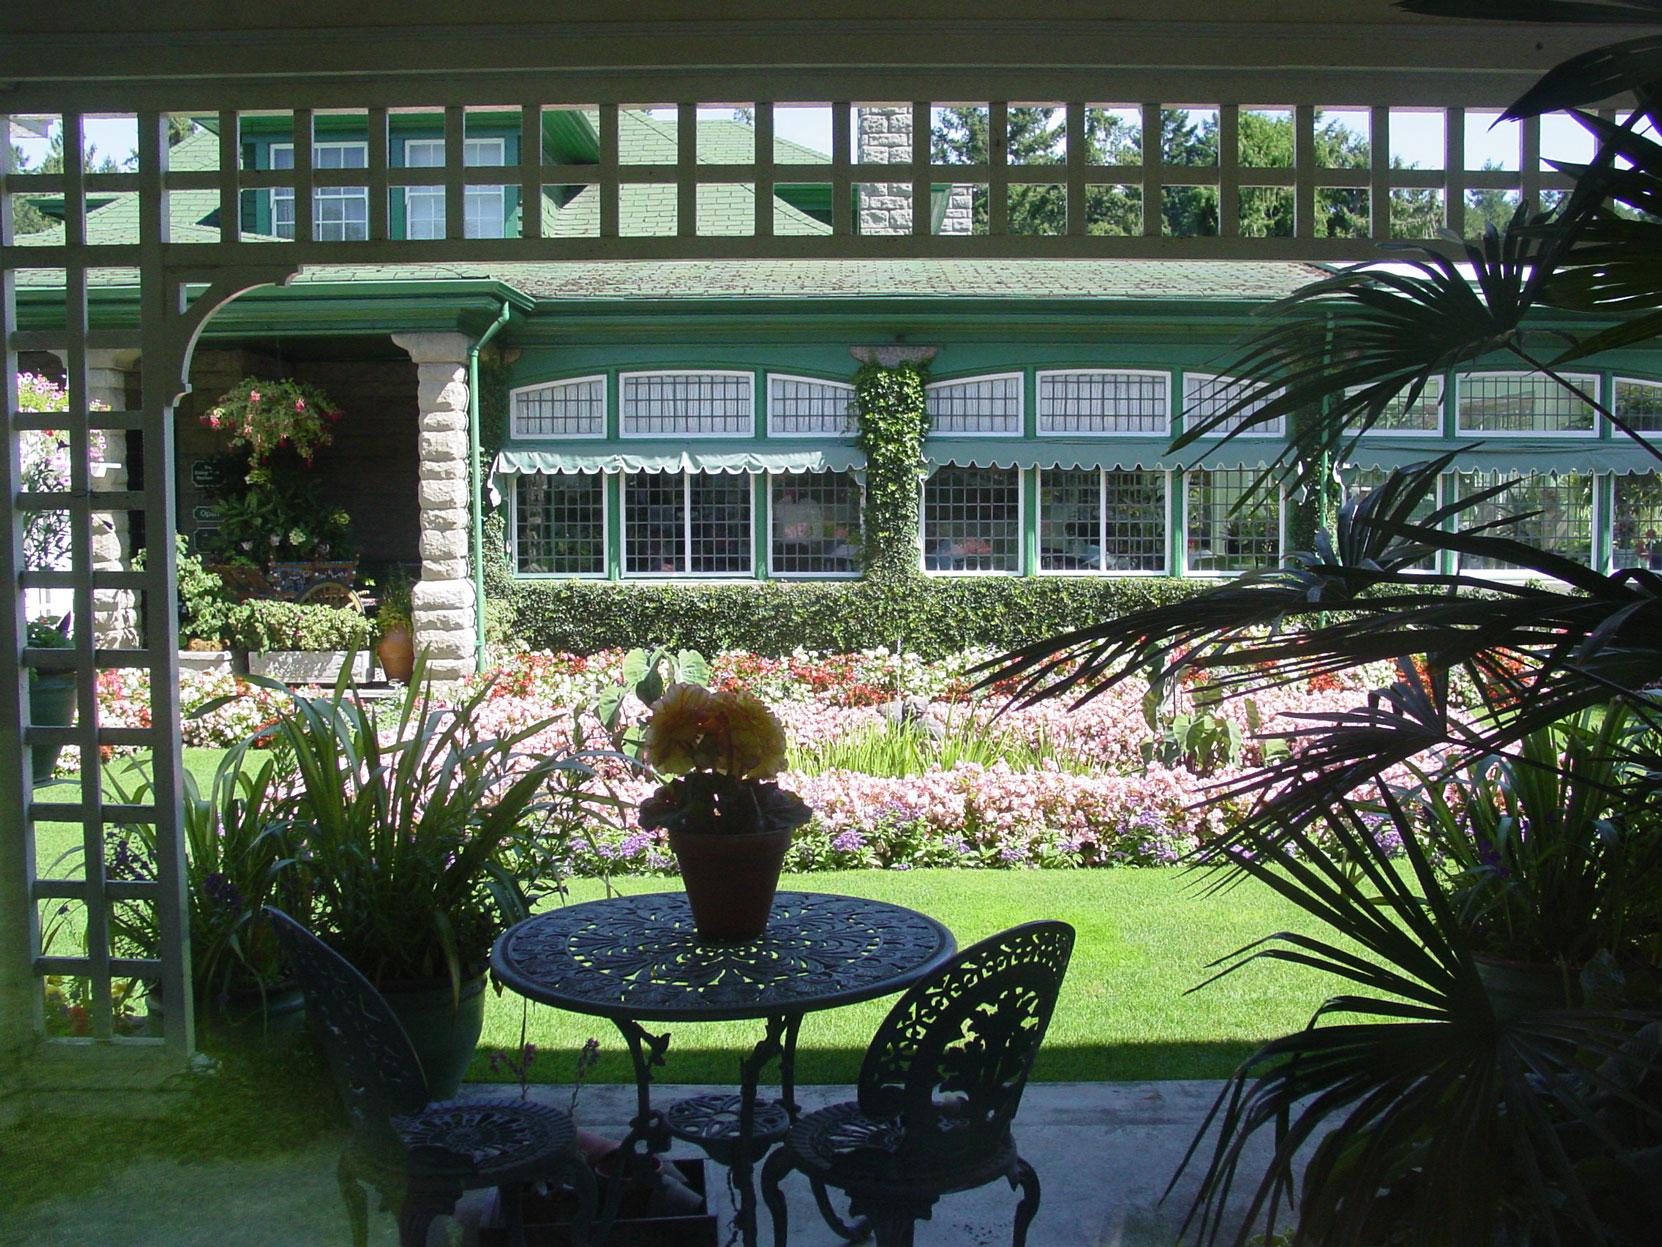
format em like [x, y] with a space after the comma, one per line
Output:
[208, 661]
[309, 666]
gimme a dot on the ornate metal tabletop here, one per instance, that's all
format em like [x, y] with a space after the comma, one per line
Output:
[638, 957]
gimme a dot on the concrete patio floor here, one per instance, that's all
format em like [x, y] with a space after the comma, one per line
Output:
[1103, 1151]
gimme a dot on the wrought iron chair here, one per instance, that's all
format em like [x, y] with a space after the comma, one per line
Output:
[939, 1088]
[420, 1156]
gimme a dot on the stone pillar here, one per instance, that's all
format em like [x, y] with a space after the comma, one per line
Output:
[115, 614]
[443, 605]
[886, 207]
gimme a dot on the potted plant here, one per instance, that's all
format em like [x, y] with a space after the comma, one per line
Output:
[303, 644]
[728, 827]
[235, 852]
[263, 415]
[419, 837]
[52, 692]
[395, 649]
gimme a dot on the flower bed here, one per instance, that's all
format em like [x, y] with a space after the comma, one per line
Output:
[1044, 786]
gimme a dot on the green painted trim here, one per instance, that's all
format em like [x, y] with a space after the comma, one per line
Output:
[1029, 522]
[761, 525]
[614, 525]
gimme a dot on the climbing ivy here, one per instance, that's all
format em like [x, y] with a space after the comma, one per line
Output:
[893, 422]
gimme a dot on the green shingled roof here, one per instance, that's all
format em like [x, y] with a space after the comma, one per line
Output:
[724, 209]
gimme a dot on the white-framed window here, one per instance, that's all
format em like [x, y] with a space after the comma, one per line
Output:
[805, 407]
[687, 524]
[1361, 481]
[1636, 533]
[1555, 512]
[574, 408]
[687, 404]
[813, 524]
[990, 406]
[1421, 418]
[559, 524]
[972, 520]
[1639, 403]
[1105, 401]
[1524, 404]
[485, 206]
[1221, 538]
[339, 213]
[1094, 520]
[1205, 395]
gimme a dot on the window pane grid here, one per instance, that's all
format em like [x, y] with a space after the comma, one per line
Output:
[1640, 403]
[339, 213]
[676, 524]
[815, 524]
[691, 403]
[567, 409]
[1205, 396]
[1223, 542]
[1562, 519]
[1091, 520]
[1424, 415]
[559, 525]
[799, 406]
[1365, 480]
[1524, 403]
[1634, 535]
[971, 520]
[1102, 402]
[987, 405]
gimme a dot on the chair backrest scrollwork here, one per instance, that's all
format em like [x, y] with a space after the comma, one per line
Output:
[376, 1070]
[952, 1058]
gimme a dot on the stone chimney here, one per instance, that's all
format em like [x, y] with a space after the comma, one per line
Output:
[886, 207]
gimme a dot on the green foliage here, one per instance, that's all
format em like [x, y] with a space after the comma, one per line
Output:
[263, 414]
[407, 826]
[206, 606]
[646, 673]
[929, 616]
[265, 624]
[276, 512]
[395, 604]
[899, 750]
[893, 423]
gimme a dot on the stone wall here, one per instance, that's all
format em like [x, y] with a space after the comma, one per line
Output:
[886, 207]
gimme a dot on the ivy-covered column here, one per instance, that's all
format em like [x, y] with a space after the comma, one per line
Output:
[442, 602]
[889, 397]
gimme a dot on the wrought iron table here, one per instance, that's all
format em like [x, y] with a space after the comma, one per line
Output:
[636, 959]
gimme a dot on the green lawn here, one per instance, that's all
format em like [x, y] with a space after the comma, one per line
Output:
[1145, 938]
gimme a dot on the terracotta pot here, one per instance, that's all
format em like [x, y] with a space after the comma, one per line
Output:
[396, 653]
[730, 881]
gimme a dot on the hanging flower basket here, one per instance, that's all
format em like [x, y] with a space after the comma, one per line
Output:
[264, 415]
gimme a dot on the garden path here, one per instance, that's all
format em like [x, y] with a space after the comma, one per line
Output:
[1104, 1152]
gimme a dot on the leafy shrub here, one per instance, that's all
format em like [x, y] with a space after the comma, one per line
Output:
[268, 625]
[930, 617]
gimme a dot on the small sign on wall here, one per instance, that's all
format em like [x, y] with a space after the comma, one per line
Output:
[206, 537]
[205, 515]
[205, 474]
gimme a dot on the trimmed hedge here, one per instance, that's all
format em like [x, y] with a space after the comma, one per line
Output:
[272, 625]
[924, 615]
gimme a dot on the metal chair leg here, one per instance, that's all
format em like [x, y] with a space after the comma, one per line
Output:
[416, 1216]
[777, 1166]
[357, 1202]
[510, 1199]
[856, 1231]
[1028, 1180]
[588, 1200]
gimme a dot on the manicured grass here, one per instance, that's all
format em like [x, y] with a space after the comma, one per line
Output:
[1145, 938]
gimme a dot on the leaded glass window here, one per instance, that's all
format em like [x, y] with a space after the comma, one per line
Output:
[1524, 403]
[972, 520]
[1222, 538]
[1093, 520]
[1639, 403]
[1553, 512]
[575, 408]
[687, 404]
[975, 405]
[1104, 402]
[814, 524]
[1204, 396]
[1423, 415]
[1636, 534]
[800, 407]
[686, 524]
[560, 525]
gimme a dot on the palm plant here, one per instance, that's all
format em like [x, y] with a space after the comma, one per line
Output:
[1430, 1118]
